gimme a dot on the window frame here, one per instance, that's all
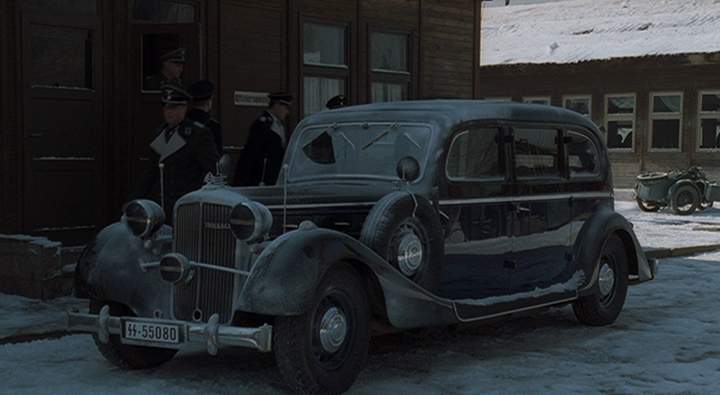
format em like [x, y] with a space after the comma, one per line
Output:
[619, 118]
[528, 99]
[705, 115]
[317, 70]
[653, 116]
[588, 97]
[503, 157]
[198, 16]
[504, 99]
[391, 76]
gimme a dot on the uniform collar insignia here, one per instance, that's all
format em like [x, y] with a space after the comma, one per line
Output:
[165, 149]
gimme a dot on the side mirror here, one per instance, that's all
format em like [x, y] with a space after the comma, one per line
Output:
[408, 169]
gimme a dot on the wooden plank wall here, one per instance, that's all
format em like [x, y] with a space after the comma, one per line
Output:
[639, 76]
[11, 146]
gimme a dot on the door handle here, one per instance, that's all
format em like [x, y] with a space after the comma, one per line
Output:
[521, 209]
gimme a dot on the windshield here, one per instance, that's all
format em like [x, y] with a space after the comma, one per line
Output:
[370, 150]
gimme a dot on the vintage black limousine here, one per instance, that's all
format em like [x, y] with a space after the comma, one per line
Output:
[406, 215]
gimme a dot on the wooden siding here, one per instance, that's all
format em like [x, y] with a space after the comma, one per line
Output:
[11, 150]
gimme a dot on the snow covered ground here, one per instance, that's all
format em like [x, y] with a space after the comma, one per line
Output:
[666, 341]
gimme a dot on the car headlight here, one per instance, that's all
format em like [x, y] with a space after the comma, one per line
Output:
[250, 221]
[143, 217]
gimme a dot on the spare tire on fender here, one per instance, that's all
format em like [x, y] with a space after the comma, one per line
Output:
[406, 231]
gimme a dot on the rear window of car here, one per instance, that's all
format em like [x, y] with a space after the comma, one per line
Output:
[537, 152]
[583, 155]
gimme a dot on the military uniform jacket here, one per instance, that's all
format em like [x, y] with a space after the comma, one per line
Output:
[262, 156]
[188, 156]
[210, 123]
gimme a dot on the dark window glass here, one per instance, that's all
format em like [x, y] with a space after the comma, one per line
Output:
[666, 133]
[583, 156]
[710, 130]
[710, 102]
[621, 105]
[162, 11]
[324, 45]
[475, 154]
[579, 105]
[667, 104]
[386, 91]
[620, 134]
[389, 52]
[60, 7]
[536, 153]
[61, 57]
[156, 72]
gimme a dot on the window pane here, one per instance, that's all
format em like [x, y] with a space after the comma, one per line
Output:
[157, 73]
[162, 11]
[667, 104]
[318, 91]
[621, 105]
[666, 133]
[324, 45]
[389, 52]
[382, 92]
[711, 102]
[60, 7]
[538, 100]
[710, 129]
[579, 105]
[61, 57]
[583, 155]
[620, 134]
[536, 153]
[475, 154]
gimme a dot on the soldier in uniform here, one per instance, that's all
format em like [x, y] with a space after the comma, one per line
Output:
[183, 153]
[172, 66]
[202, 94]
[262, 156]
[338, 101]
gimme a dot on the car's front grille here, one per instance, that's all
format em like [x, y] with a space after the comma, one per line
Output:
[202, 234]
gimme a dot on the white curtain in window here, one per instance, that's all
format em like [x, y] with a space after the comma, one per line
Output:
[383, 92]
[318, 91]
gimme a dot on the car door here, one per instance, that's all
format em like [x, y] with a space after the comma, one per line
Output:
[541, 208]
[478, 217]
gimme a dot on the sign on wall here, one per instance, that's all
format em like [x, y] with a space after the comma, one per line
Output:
[251, 99]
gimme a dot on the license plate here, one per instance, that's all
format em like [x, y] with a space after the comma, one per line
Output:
[135, 332]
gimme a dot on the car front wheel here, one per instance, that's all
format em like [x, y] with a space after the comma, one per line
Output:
[323, 350]
[603, 305]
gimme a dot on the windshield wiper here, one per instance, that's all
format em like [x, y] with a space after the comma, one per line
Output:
[347, 140]
[412, 140]
[380, 136]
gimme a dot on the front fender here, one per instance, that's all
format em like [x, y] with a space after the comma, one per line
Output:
[285, 276]
[109, 270]
[603, 223]
[680, 183]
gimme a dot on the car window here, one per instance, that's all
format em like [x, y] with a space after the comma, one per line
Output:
[536, 152]
[475, 154]
[583, 155]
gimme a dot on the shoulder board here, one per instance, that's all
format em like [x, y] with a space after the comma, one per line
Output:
[198, 124]
[213, 121]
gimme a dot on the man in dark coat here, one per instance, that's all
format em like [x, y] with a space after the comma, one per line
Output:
[182, 154]
[172, 66]
[262, 156]
[202, 95]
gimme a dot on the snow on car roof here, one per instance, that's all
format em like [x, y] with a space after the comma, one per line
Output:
[574, 31]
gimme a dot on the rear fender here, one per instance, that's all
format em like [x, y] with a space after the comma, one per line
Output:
[285, 276]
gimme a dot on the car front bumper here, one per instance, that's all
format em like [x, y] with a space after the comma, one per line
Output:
[210, 333]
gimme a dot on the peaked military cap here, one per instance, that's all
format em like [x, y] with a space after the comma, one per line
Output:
[281, 97]
[175, 56]
[201, 90]
[337, 102]
[172, 94]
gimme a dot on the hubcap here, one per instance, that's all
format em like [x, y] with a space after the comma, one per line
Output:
[685, 201]
[333, 330]
[606, 280]
[410, 254]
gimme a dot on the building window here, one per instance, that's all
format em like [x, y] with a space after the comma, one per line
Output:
[157, 72]
[475, 155]
[537, 100]
[59, 7]
[62, 57]
[709, 120]
[536, 153]
[502, 99]
[580, 104]
[162, 11]
[620, 122]
[389, 67]
[325, 63]
[665, 121]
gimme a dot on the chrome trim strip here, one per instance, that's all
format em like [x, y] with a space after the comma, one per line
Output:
[323, 205]
[220, 268]
[539, 306]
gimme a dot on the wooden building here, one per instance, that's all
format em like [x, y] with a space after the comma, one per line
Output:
[76, 118]
[648, 75]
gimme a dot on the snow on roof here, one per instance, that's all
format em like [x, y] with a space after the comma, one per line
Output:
[581, 30]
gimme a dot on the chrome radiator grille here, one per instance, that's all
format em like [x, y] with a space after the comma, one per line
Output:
[202, 234]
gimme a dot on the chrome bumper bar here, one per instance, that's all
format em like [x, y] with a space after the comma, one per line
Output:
[210, 333]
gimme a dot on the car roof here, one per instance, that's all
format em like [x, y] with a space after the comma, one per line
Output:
[448, 113]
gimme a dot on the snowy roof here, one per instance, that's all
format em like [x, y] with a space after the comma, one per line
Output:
[581, 30]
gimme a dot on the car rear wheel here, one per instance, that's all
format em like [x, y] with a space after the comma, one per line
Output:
[323, 350]
[604, 304]
[126, 356]
[649, 207]
[685, 200]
